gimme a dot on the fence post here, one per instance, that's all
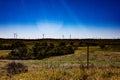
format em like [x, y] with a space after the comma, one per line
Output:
[87, 55]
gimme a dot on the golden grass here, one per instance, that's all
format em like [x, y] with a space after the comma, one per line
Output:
[68, 74]
[4, 53]
[67, 67]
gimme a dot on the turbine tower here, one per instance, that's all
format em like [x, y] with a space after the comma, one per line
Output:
[70, 36]
[15, 35]
[63, 36]
[43, 36]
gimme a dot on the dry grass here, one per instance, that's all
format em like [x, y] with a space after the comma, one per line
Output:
[106, 66]
[4, 53]
[68, 74]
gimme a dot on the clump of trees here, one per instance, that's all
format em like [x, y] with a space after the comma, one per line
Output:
[19, 50]
[18, 44]
[13, 46]
[39, 50]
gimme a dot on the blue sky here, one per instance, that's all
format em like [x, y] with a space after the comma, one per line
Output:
[54, 18]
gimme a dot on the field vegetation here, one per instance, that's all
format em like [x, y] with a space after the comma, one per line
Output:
[59, 59]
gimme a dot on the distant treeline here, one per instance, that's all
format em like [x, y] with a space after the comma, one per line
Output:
[76, 41]
[43, 48]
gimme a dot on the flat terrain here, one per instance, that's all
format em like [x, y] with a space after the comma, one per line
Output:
[104, 65]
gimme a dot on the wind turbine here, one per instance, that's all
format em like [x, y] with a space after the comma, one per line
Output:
[15, 35]
[43, 35]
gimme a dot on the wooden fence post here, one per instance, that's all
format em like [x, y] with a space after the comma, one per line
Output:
[87, 55]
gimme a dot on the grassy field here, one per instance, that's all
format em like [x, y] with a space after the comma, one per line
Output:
[68, 74]
[4, 53]
[105, 65]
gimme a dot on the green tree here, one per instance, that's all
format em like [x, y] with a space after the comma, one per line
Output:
[18, 53]
[40, 50]
[17, 45]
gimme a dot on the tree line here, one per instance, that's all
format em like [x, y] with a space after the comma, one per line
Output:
[39, 50]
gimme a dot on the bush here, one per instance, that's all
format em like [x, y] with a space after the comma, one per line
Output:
[102, 46]
[44, 50]
[115, 48]
[20, 52]
[62, 44]
[72, 43]
[5, 47]
[51, 45]
[61, 50]
[82, 44]
[15, 68]
[29, 53]
[40, 51]
[17, 45]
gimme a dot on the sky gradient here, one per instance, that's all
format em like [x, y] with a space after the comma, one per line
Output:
[54, 18]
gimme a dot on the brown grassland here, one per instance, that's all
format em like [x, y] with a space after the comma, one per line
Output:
[104, 65]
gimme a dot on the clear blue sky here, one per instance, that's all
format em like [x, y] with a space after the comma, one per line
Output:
[54, 18]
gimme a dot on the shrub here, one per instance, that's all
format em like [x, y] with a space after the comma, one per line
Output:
[15, 68]
[102, 46]
[82, 44]
[20, 52]
[62, 44]
[29, 53]
[17, 45]
[70, 50]
[5, 47]
[115, 48]
[44, 50]
[72, 43]
[51, 45]
[40, 50]
[61, 50]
